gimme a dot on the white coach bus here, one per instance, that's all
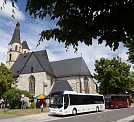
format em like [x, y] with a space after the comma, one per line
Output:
[70, 102]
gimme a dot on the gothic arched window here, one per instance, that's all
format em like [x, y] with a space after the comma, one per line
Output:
[86, 86]
[32, 85]
[19, 48]
[16, 48]
[10, 47]
[10, 57]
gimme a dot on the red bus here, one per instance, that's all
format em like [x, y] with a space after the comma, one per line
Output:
[117, 100]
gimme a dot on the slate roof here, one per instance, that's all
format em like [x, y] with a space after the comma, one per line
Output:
[42, 53]
[25, 45]
[20, 63]
[62, 68]
[70, 67]
[61, 85]
[16, 35]
[43, 59]
[22, 59]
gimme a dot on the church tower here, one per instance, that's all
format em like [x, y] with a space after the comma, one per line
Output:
[15, 47]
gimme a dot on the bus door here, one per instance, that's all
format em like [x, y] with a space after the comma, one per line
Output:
[66, 101]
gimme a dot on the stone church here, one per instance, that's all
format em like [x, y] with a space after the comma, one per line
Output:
[35, 73]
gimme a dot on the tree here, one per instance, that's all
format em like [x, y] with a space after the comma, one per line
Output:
[6, 79]
[108, 21]
[132, 90]
[113, 75]
[130, 52]
[13, 97]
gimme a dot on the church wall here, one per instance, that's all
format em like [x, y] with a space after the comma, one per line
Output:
[49, 82]
[25, 51]
[14, 56]
[12, 47]
[93, 87]
[9, 64]
[75, 83]
[13, 52]
[41, 79]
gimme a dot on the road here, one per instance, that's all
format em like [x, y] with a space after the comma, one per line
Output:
[108, 115]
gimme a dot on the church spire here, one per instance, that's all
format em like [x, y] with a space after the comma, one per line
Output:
[16, 35]
[25, 45]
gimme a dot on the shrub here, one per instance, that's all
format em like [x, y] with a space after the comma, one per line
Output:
[13, 97]
[32, 105]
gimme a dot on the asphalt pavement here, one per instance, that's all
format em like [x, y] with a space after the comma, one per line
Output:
[127, 119]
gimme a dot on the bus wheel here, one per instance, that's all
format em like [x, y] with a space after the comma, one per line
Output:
[74, 112]
[126, 105]
[117, 106]
[97, 109]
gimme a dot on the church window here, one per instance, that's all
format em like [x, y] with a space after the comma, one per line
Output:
[86, 85]
[10, 47]
[24, 51]
[31, 69]
[16, 48]
[32, 85]
[19, 48]
[10, 57]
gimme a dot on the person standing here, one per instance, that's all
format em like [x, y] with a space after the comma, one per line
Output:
[41, 107]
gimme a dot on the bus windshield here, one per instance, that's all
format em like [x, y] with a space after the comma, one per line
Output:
[107, 99]
[56, 101]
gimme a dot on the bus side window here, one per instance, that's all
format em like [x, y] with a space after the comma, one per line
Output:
[91, 100]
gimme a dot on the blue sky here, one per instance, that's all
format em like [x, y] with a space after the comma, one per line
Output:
[30, 30]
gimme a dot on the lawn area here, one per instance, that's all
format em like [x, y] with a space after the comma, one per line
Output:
[22, 112]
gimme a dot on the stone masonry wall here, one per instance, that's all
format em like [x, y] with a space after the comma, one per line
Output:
[41, 79]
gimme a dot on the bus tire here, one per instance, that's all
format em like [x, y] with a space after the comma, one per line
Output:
[117, 106]
[74, 111]
[126, 105]
[97, 109]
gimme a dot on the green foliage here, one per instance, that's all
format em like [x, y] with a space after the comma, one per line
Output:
[130, 52]
[13, 96]
[32, 105]
[131, 76]
[113, 76]
[84, 20]
[6, 79]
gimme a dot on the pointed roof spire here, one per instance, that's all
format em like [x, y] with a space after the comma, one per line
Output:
[16, 35]
[25, 45]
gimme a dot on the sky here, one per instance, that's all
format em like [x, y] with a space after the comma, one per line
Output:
[30, 30]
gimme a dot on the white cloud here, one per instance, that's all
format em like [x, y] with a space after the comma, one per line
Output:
[7, 11]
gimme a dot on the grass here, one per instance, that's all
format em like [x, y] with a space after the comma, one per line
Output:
[22, 112]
